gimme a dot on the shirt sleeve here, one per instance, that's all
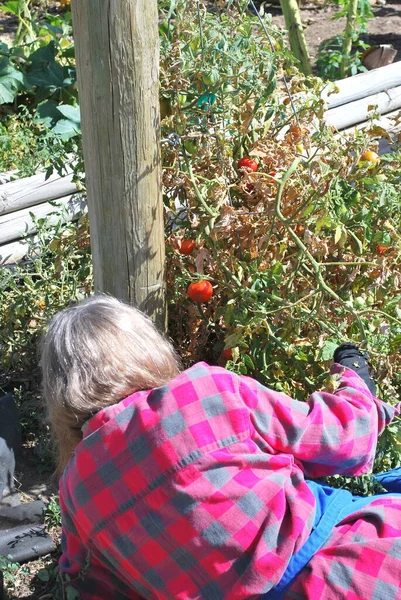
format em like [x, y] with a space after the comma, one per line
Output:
[80, 571]
[332, 433]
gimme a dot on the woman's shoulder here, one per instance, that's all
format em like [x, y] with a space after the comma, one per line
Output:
[201, 375]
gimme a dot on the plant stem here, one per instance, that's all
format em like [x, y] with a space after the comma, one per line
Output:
[347, 43]
[315, 265]
[294, 26]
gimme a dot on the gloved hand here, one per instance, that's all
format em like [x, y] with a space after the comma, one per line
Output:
[348, 355]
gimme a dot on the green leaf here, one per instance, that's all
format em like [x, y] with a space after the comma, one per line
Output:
[48, 114]
[338, 234]
[71, 593]
[327, 351]
[43, 575]
[248, 361]
[14, 7]
[233, 339]
[66, 129]
[63, 120]
[42, 57]
[11, 81]
[47, 73]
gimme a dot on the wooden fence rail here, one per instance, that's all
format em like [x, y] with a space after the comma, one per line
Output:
[30, 191]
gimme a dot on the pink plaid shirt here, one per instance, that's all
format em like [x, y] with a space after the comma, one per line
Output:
[196, 490]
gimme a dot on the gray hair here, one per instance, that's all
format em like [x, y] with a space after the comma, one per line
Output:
[93, 355]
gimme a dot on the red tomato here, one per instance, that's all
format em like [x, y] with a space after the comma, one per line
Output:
[227, 354]
[201, 291]
[247, 163]
[187, 246]
[382, 250]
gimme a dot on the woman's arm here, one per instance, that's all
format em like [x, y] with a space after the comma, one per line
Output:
[333, 432]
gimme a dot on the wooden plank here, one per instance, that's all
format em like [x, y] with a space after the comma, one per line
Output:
[388, 122]
[342, 117]
[362, 85]
[30, 191]
[117, 55]
[6, 176]
[16, 225]
[13, 252]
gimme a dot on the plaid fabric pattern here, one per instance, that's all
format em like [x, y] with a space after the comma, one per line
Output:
[360, 561]
[196, 490]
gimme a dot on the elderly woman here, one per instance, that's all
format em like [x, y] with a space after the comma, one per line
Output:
[193, 485]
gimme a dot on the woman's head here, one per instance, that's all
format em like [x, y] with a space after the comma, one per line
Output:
[94, 354]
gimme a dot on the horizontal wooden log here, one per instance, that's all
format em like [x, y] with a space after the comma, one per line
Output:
[363, 85]
[16, 225]
[389, 123]
[342, 117]
[34, 190]
[14, 252]
[7, 176]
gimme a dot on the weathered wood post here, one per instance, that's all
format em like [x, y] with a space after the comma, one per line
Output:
[117, 54]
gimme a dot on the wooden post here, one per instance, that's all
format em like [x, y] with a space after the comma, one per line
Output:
[293, 23]
[117, 54]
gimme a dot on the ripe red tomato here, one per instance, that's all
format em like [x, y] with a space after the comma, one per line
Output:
[248, 163]
[201, 291]
[187, 246]
[382, 249]
[227, 354]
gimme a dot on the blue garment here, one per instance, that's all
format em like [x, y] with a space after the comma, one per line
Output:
[332, 506]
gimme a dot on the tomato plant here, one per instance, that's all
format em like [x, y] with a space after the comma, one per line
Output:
[292, 245]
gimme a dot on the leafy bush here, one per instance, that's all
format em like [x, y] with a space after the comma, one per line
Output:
[39, 70]
[303, 253]
[330, 55]
[57, 271]
[335, 59]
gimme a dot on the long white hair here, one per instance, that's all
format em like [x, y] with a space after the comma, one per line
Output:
[93, 355]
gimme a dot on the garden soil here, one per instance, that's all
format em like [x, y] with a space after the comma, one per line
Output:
[384, 28]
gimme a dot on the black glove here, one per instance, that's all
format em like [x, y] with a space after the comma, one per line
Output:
[348, 355]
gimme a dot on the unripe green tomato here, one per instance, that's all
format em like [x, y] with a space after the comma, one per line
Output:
[190, 146]
[229, 89]
[359, 302]
[210, 78]
[370, 300]
[182, 98]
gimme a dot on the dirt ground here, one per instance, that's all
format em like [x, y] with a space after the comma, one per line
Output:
[384, 28]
